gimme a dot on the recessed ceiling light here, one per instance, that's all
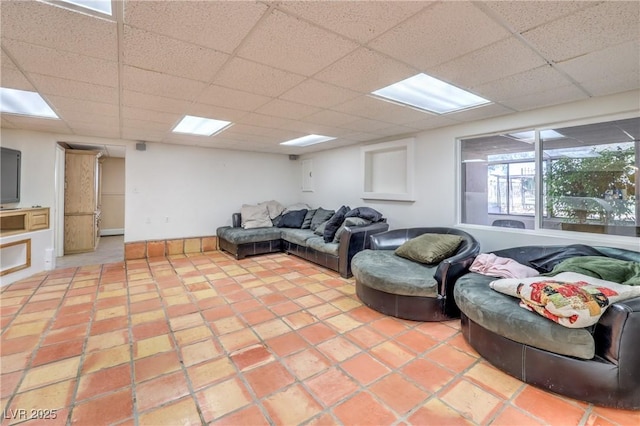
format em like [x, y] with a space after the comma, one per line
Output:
[430, 94]
[14, 101]
[200, 126]
[102, 6]
[308, 140]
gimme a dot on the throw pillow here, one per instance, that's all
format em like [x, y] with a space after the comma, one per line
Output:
[334, 223]
[570, 299]
[547, 262]
[320, 217]
[255, 216]
[292, 219]
[274, 208]
[429, 248]
[349, 221]
[365, 213]
[297, 206]
[306, 224]
[605, 268]
[320, 229]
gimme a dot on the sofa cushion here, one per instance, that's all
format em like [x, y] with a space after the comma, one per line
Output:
[274, 208]
[292, 219]
[297, 206]
[385, 271]
[334, 223]
[255, 216]
[501, 314]
[297, 236]
[349, 221]
[320, 217]
[317, 243]
[306, 223]
[241, 236]
[367, 213]
[429, 248]
[570, 299]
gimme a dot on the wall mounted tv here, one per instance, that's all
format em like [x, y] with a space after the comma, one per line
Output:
[9, 175]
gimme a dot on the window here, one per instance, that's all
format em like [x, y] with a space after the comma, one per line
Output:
[589, 178]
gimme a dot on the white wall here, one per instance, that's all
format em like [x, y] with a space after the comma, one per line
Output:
[338, 173]
[177, 191]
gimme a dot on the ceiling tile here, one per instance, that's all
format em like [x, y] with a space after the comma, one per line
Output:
[555, 96]
[529, 82]
[215, 112]
[5, 123]
[87, 120]
[365, 70]
[592, 29]
[432, 122]
[56, 63]
[331, 118]
[155, 83]
[139, 134]
[55, 27]
[610, 85]
[287, 109]
[366, 125]
[146, 125]
[152, 102]
[439, 34]
[360, 21]
[501, 59]
[231, 98]
[74, 89]
[256, 78]
[290, 44]
[38, 124]
[524, 15]
[150, 51]
[219, 25]
[319, 94]
[96, 130]
[621, 59]
[13, 79]
[378, 109]
[395, 130]
[75, 107]
[165, 118]
[309, 128]
[480, 113]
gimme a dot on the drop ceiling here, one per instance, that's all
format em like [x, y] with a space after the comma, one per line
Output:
[282, 70]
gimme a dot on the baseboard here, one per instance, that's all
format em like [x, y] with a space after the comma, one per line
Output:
[109, 232]
[158, 248]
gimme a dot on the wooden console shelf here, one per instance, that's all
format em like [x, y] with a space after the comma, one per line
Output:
[18, 221]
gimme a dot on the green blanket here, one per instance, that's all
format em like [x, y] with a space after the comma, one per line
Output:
[606, 268]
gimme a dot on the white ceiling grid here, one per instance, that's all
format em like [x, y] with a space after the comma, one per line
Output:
[281, 70]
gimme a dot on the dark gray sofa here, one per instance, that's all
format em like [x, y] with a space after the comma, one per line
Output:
[406, 289]
[599, 364]
[303, 243]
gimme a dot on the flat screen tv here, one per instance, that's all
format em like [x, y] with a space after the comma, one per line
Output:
[9, 175]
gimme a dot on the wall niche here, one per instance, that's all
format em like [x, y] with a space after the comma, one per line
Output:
[388, 170]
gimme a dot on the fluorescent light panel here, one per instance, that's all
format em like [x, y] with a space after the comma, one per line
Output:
[430, 94]
[308, 140]
[102, 6]
[529, 136]
[14, 101]
[200, 126]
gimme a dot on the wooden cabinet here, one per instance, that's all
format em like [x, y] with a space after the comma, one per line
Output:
[81, 201]
[18, 221]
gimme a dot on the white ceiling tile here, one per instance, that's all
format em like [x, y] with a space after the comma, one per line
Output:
[145, 125]
[256, 78]
[331, 118]
[165, 118]
[366, 125]
[13, 79]
[290, 44]
[287, 109]
[591, 29]
[70, 66]
[361, 137]
[309, 128]
[155, 52]
[524, 15]
[55, 27]
[5, 123]
[215, 112]
[480, 113]
[96, 130]
[556, 96]
[155, 83]
[219, 25]
[365, 71]
[529, 82]
[319, 94]
[621, 59]
[432, 122]
[75, 107]
[140, 134]
[75, 89]
[360, 21]
[439, 34]
[86, 120]
[501, 59]
[378, 109]
[6, 62]
[38, 124]
[614, 84]
[134, 99]
[395, 130]
[231, 98]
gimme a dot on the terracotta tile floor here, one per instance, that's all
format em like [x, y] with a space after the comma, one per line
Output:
[266, 340]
